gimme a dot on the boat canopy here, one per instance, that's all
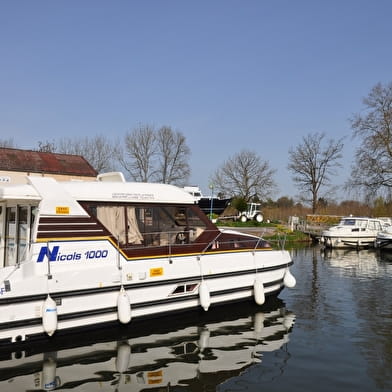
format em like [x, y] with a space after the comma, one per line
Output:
[67, 193]
[19, 192]
[133, 192]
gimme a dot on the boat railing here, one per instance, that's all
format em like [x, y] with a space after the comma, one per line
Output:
[211, 243]
[170, 242]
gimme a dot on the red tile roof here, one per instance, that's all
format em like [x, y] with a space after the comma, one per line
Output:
[12, 159]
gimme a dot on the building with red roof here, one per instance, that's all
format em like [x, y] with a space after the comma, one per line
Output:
[16, 164]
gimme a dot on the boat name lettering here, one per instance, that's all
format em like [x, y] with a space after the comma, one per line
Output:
[133, 196]
[96, 254]
[55, 255]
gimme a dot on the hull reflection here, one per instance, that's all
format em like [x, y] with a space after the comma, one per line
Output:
[365, 263]
[199, 354]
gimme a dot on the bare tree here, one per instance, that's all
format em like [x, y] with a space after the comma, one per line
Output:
[157, 156]
[97, 150]
[245, 175]
[313, 163]
[137, 156]
[173, 154]
[7, 143]
[372, 169]
[47, 146]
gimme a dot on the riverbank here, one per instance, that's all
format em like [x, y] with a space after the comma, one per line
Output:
[270, 231]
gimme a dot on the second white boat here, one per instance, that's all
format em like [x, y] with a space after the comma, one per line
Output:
[353, 232]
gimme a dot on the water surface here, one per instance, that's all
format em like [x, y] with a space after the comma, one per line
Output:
[331, 332]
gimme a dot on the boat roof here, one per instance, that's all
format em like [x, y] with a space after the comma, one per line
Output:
[66, 194]
[128, 191]
[19, 192]
[360, 218]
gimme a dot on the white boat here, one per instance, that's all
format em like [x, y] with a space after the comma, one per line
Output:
[384, 239]
[199, 356]
[353, 232]
[87, 254]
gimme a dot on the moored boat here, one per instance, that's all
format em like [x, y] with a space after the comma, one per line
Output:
[213, 205]
[353, 232]
[84, 254]
[384, 239]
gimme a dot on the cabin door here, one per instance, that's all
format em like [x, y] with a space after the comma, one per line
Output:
[15, 233]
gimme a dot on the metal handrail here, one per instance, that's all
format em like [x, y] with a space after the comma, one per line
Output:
[211, 242]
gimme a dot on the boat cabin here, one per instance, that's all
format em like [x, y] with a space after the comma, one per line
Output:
[140, 220]
[361, 224]
[134, 220]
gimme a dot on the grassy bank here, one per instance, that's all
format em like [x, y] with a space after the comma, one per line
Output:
[273, 232]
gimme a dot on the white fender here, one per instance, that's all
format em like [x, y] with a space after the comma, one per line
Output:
[49, 316]
[258, 322]
[288, 321]
[204, 295]
[49, 379]
[123, 307]
[123, 357]
[288, 279]
[258, 288]
[204, 338]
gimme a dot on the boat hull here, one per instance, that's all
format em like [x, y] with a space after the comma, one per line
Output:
[383, 242]
[357, 242]
[155, 287]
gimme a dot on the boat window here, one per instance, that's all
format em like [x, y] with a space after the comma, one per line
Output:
[133, 234]
[10, 236]
[121, 222]
[363, 224]
[185, 288]
[112, 217]
[374, 225]
[22, 232]
[167, 225]
[150, 225]
[348, 222]
[18, 232]
[2, 222]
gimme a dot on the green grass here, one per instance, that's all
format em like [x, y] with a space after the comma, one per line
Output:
[251, 223]
[295, 236]
[281, 232]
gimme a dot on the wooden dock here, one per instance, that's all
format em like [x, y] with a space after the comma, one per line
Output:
[313, 231]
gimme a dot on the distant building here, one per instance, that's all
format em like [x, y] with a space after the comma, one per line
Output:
[16, 164]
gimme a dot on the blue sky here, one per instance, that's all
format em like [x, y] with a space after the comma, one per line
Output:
[230, 75]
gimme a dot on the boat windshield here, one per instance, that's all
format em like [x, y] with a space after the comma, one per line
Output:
[150, 225]
[354, 222]
[374, 225]
[370, 224]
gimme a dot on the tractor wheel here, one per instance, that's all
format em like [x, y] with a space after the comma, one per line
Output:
[243, 218]
[259, 218]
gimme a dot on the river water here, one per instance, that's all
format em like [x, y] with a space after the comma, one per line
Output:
[332, 332]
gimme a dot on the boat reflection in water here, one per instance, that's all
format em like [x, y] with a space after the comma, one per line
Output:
[200, 353]
[365, 263]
